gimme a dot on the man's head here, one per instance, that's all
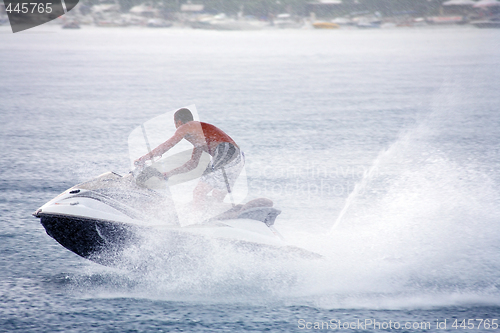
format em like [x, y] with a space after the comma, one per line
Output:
[182, 116]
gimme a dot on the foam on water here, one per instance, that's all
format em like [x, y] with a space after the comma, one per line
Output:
[429, 240]
[420, 229]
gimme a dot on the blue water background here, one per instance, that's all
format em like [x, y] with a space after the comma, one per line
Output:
[394, 130]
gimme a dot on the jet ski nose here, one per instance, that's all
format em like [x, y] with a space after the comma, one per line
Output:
[37, 212]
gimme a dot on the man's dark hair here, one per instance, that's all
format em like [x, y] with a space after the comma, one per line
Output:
[184, 115]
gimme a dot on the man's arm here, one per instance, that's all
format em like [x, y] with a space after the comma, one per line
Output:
[163, 148]
[189, 165]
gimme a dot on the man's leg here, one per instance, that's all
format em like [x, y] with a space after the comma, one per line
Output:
[203, 189]
[200, 193]
[219, 195]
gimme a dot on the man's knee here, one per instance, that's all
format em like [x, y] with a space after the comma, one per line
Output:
[219, 194]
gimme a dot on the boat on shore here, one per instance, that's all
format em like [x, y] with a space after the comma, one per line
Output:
[325, 25]
[71, 25]
[492, 22]
[222, 22]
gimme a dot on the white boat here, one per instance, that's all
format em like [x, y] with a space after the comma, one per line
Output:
[222, 22]
[491, 22]
[287, 21]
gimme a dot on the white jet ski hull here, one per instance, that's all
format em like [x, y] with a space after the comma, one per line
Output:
[99, 219]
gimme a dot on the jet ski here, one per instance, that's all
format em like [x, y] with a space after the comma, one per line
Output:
[100, 218]
[103, 218]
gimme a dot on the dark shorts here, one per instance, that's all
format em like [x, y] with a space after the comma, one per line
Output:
[227, 159]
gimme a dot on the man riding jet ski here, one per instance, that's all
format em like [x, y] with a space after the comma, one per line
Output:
[226, 163]
[101, 218]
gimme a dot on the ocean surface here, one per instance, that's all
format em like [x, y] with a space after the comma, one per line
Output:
[381, 148]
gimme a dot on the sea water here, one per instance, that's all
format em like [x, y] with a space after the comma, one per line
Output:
[381, 148]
